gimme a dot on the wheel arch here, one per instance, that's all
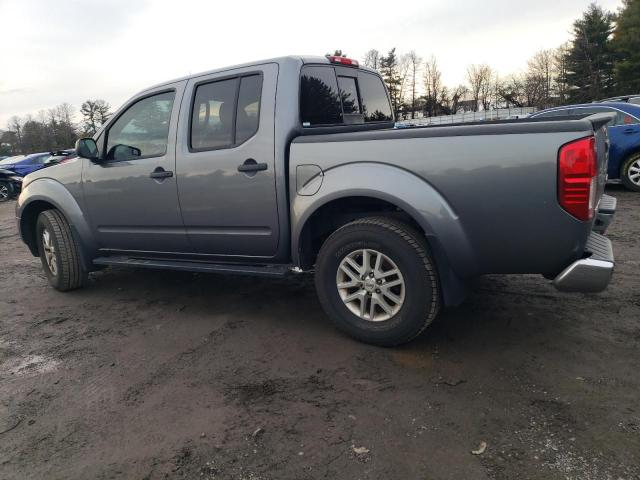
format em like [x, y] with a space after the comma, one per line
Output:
[46, 194]
[383, 190]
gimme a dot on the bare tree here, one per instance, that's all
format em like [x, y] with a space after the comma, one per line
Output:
[457, 95]
[372, 59]
[479, 78]
[542, 71]
[414, 68]
[432, 85]
[560, 70]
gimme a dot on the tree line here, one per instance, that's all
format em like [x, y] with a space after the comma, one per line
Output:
[53, 129]
[601, 59]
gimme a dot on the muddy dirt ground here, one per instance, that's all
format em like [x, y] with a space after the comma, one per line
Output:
[149, 375]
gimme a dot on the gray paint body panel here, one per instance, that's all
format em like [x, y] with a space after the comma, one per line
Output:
[484, 194]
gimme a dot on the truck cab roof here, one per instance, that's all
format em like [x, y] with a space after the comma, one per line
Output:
[289, 59]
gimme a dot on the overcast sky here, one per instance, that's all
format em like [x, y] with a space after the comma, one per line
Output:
[54, 51]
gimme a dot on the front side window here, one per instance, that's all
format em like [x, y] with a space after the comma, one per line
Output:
[142, 130]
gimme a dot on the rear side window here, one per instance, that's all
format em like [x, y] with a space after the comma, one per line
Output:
[553, 113]
[375, 103]
[212, 116]
[248, 115]
[218, 120]
[319, 98]
[350, 97]
[623, 118]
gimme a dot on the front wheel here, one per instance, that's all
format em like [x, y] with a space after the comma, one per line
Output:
[59, 252]
[630, 173]
[377, 282]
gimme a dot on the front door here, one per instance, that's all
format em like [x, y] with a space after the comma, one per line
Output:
[225, 162]
[131, 194]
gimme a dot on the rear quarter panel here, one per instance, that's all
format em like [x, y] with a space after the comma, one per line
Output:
[501, 191]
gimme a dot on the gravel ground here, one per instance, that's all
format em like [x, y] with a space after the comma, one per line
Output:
[149, 375]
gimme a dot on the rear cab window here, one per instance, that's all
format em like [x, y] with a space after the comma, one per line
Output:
[335, 95]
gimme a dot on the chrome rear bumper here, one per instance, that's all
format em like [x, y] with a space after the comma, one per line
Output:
[591, 274]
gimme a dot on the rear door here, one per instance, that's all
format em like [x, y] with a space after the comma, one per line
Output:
[225, 162]
[625, 139]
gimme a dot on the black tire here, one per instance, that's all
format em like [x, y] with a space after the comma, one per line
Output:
[408, 249]
[69, 273]
[626, 172]
[6, 191]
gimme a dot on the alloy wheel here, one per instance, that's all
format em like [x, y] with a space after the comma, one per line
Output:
[370, 285]
[49, 252]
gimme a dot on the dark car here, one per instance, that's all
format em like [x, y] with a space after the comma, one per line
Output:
[10, 184]
[25, 164]
[624, 137]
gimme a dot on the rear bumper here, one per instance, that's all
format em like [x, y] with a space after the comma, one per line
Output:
[606, 211]
[592, 273]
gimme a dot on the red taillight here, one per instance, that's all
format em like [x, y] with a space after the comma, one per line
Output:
[342, 60]
[577, 177]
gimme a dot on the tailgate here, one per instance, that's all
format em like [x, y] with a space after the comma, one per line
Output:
[599, 123]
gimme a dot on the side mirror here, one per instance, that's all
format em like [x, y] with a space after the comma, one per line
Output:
[87, 148]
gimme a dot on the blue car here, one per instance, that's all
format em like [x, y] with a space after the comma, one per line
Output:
[624, 137]
[25, 164]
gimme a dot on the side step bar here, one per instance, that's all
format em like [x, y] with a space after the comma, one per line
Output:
[169, 264]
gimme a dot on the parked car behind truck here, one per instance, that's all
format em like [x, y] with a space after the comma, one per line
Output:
[624, 137]
[293, 164]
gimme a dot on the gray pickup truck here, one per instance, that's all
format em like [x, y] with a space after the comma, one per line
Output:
[293, 164]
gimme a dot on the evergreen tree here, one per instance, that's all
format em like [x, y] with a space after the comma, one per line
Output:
[589, 62]
[389, 68]
[626, 44]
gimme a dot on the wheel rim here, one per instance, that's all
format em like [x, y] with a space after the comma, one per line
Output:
[634, 172]
[4, 192]
[370, 285]
[49, 252]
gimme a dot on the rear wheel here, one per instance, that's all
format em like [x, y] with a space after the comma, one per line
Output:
[377, 282]
[6, 190]
[59, 252]
[630, 173]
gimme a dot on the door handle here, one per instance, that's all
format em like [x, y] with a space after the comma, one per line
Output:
[250, 165]
[161, 173]
[628, 131]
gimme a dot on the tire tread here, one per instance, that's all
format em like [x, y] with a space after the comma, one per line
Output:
[416, 241]
[70, 271]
